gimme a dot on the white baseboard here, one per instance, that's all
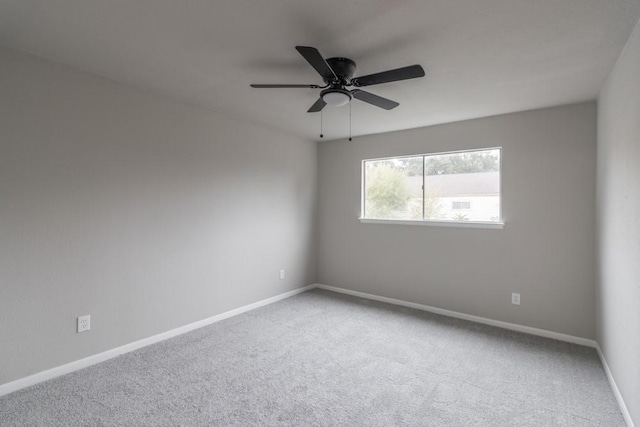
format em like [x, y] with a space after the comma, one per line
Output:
[498, 323]
[115, 352]
[614, 386]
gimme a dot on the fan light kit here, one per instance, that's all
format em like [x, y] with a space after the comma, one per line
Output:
[337, 74]
[335, 97]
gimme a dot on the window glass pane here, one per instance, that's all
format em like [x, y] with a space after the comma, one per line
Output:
[463, 186]
[393, 188]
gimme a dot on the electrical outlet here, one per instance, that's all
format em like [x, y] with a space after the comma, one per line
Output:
[282, 274]
[515, 298]
[84, 323]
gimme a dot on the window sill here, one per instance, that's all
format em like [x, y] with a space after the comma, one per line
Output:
[459, 224]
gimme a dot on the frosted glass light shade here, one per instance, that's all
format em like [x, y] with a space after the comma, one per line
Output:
[336, 99]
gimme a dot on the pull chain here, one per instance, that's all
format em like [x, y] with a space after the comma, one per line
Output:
[349, 121]
[321, 135]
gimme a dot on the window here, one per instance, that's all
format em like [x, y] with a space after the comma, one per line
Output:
[458, 205]
[456, 187]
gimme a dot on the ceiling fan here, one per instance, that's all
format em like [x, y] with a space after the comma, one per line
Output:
[337, 74]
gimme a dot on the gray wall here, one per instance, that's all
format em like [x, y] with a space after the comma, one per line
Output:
[546, 251]
[618, 291]
[144, 212]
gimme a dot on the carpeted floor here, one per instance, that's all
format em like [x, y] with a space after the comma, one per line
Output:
[325, 359]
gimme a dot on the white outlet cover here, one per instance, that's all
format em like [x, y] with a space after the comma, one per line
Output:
[515, 298]
[281, 274]
[84, 323]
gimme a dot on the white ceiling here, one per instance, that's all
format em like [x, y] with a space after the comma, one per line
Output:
[482, 57]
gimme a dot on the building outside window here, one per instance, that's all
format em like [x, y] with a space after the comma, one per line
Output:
[456, 186]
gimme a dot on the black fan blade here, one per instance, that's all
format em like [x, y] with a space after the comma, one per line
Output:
[278, 86]
[316, 60]
[317, 106]
[372, 99]
[404, 73]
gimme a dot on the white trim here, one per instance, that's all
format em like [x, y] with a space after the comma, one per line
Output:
[614, 386]
[115, 352]
[438, 153]
[498, 323]
[459, 224]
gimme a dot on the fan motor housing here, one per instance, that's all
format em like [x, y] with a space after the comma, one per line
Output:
[343, 68]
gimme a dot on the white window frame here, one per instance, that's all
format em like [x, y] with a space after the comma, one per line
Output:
[428, 222]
